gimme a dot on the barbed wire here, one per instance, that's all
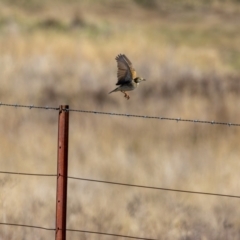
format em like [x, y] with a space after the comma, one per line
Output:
[125, 115]
[30, 174]
[155, 188]
[28, 106]
[75, 230]
[157, 118]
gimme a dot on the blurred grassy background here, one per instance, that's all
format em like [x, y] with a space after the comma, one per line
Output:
[62, 52]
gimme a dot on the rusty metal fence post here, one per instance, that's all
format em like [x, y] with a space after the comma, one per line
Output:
[62, 172]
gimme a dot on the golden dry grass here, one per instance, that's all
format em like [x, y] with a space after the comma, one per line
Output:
[190, 55]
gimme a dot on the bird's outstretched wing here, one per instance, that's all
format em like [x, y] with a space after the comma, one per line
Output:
[126, 73]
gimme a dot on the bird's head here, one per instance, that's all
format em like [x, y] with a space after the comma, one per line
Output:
[139, 79]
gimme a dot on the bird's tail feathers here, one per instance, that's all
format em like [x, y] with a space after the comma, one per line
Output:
[115, 90]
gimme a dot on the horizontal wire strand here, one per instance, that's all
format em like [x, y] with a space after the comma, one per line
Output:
[109, 234]
[155, 188]
[29, 226]
[124, 115]
[74, 230]
[124, 184]
[30, 174]
[28, 106]
[157, 118]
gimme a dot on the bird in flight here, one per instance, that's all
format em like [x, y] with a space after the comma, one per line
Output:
[127, 76]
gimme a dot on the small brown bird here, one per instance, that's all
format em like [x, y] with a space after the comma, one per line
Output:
[127, 76]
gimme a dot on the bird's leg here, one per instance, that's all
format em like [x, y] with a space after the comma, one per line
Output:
[125, 95]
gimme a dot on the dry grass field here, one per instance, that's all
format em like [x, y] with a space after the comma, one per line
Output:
[62, 52]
